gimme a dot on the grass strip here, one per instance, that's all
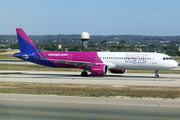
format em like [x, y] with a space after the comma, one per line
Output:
[7, 56]
[89, 90]
[177, 58]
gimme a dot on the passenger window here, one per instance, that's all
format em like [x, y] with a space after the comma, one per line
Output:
[163, 58]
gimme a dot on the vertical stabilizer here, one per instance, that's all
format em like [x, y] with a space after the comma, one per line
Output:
[25, 44]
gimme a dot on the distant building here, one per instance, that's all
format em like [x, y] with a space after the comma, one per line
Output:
[2, 45]
[116, 38]
[161, 41]
[112, 42]
[139, 49]
[59, 46]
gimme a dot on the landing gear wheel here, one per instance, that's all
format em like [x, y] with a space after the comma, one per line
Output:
[156, 76]
[84, 74]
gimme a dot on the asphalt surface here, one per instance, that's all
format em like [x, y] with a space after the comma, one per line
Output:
[128, 79]
[35, 107]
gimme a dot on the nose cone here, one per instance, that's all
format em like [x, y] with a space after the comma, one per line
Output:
[174, 64]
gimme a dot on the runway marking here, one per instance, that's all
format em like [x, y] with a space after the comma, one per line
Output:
[93, 115]
[89, 103]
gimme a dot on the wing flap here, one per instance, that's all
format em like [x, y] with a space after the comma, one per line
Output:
[81, 63]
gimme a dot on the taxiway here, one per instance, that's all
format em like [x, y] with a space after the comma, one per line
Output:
[128, 79]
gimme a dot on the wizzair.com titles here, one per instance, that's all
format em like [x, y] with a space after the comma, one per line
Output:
[57, 54]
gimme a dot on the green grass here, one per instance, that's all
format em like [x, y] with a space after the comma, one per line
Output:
[176, 58]
[7, 56]
[2, 50]
[88, 90]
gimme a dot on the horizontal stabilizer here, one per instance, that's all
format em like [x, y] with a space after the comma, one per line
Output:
[24, 56]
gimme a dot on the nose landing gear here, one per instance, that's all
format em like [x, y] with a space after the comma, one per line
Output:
[156, 74]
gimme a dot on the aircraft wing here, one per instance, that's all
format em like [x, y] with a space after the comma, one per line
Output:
[81, 63]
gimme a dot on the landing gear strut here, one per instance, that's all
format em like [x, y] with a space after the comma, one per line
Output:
[156, 74]
[84, 74]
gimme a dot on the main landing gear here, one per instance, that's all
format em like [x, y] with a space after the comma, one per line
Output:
[156, 74]
[84, 74]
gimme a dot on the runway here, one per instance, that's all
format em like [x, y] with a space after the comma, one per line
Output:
[30, 107]
[128, 79]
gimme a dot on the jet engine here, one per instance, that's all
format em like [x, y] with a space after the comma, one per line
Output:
[118, 71]
[99, 69]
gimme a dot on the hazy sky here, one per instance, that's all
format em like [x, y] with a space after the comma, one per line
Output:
[97, 17]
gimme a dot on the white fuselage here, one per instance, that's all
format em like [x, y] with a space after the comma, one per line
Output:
[137, 60]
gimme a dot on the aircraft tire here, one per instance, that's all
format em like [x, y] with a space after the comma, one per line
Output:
[156, 76]
[84, 74]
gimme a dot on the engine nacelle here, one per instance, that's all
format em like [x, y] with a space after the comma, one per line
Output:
[99, 69]
[118, 71]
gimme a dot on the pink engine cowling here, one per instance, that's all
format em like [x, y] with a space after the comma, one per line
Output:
[99, 69]
[118, 71]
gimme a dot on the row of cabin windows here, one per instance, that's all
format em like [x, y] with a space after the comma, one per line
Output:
[100, 57]
[125, 58]
[87, 57]
[54, 57]
[167, 58]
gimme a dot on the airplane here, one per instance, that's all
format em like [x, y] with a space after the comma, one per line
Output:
[98, 63]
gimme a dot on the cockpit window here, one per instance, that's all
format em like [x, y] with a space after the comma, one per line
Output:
[167, 58]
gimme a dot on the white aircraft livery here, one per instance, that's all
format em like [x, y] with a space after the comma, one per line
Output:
[98, 63]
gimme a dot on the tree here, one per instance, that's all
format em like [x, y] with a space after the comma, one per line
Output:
[170, 52]
[14, 46]
[76, 48]
[132, 47]
[53, 47]
[46, 46]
